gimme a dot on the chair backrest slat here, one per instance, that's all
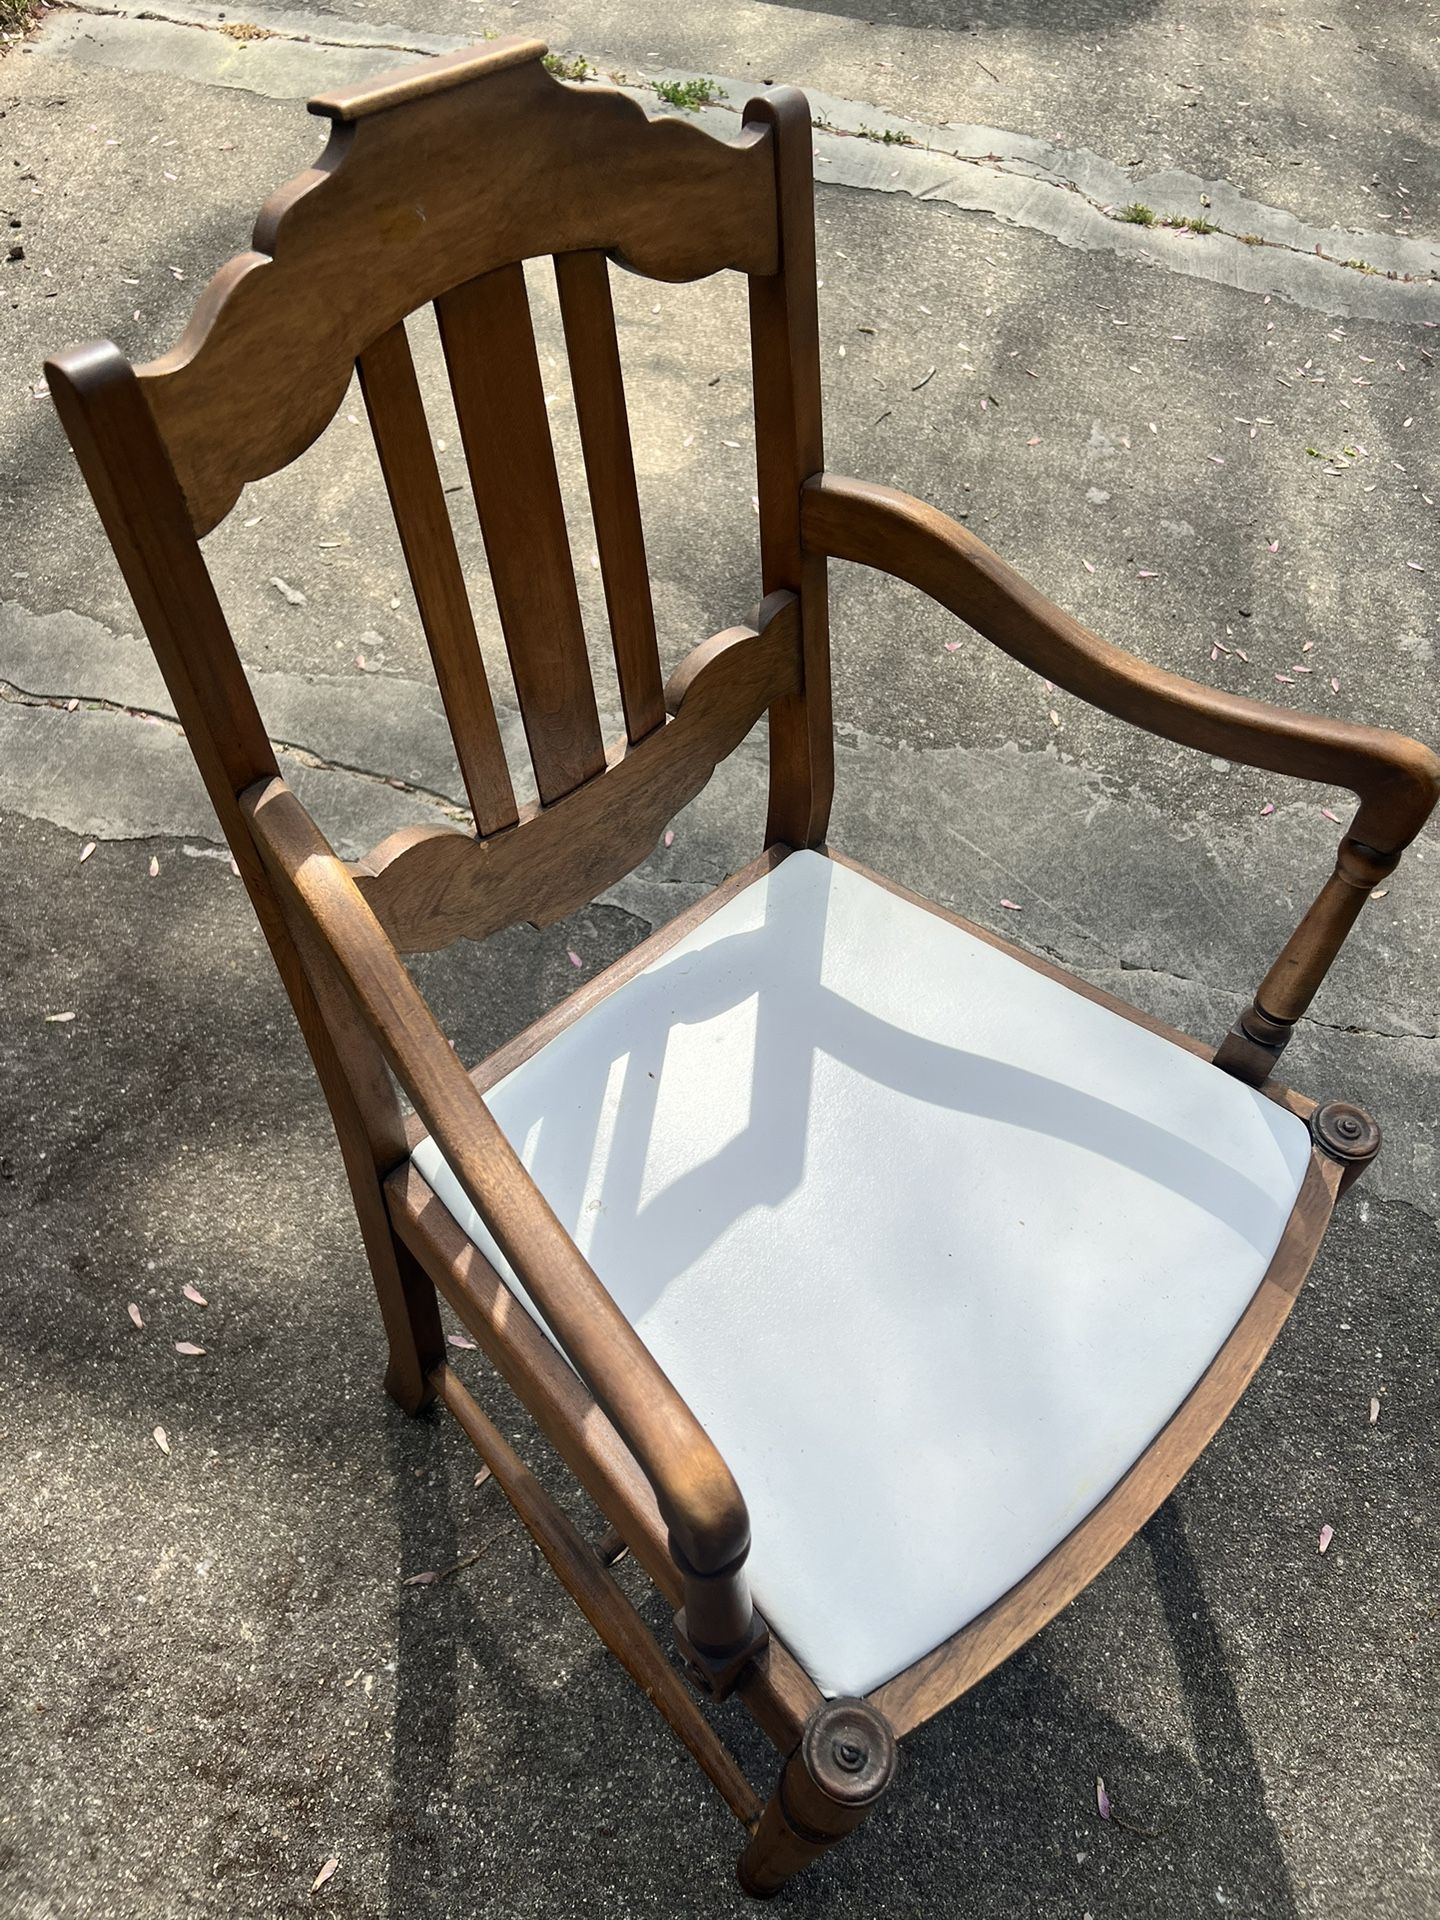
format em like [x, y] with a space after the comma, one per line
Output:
[500, 402]
[588, 315]
[417, 499]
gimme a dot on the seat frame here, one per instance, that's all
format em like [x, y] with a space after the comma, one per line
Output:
[443, 178]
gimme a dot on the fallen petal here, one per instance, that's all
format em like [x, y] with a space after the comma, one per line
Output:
[193, 1293]
[1102, 1798]
[1268, 808]
[86, 851]
[953, 646]
[669, 839]
[573, 957]
[1374, 1409]
[135, 1314]
[154, 867]
[1272, 546]
[1330, 816]
[1327, 1534]
[421, 1580]
[1012, 905]
[161, 1439]
[461, 1340]
[189, 1347]
[323, 1875]
[59, 1016]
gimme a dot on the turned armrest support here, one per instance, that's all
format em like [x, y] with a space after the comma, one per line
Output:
[695, 1490]
[1396, 780]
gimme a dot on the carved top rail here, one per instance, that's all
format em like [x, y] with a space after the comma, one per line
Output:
[402, 207]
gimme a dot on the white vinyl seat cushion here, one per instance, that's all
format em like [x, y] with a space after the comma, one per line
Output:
[932, 1245]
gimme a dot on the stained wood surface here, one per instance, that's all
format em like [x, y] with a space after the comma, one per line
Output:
[1397, 779]
[932, 1683]
[431, 885]
[777, 1692]
[597, 1596]
[103, 410]
[500, 402]
[417, 500]
[588, 315]
[429, 187]
[789, 449]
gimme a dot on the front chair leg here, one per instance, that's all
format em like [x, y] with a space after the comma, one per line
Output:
[843, 1765]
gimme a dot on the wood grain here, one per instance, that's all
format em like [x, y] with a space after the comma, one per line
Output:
[412, 200]
[778, 1693]
[417, 500]
[598, 1597]
[500, 402]
[588, 316]
[431, 885]
[789, 449]
[1397, 779]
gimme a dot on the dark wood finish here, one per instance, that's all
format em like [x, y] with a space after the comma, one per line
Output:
[449, 170]
[844, 1765]
[583, 280]
[103, 409]
[500, 400]
[597, 1596]
[778, 1694]
[417, 499]
[437, 183]
[431, 885]
[1396, 780]
[789, 448]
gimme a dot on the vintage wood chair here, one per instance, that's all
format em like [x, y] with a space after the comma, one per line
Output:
[822, 1200]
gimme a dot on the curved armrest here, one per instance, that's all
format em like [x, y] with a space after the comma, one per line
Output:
[1397, 780]
[696, 1493]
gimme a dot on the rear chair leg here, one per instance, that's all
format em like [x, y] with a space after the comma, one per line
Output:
[843, 1765]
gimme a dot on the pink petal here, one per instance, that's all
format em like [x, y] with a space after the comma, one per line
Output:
[135, 1314]
[573, 957]
[86, 851]
[1327, 1534]
[1272, 546]
[1087, 566]
[953, 646]
[1374, 1410]
[461, 1340]
[234, 866]
[161, 1439]
[193, 1293]
[1330, 816]
[1416, 565]
[420, 1580]
[323, 1875]
[1033, 441]
[1144, 574]
[154, 867]
[1013, 905]
[189, 1348]
[1216, 458]
[1334, 686]
[1102, 1798]
[1269, 807]
[669, 839]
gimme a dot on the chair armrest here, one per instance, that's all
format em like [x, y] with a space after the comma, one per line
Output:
[696, 1493]
[1397, 780]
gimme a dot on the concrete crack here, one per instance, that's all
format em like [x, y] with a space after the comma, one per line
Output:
[22, 697]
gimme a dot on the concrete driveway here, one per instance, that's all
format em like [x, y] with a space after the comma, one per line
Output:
[1218, 448]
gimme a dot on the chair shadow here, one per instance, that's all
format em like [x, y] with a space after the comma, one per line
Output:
[993, 1812]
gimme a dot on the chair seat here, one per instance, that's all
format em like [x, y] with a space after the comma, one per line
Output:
[933, 1245]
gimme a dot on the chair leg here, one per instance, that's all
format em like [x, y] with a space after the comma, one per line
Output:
[843, 1765]
[411, 1314]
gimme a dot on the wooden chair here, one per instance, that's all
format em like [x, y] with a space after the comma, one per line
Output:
[946, 1263]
